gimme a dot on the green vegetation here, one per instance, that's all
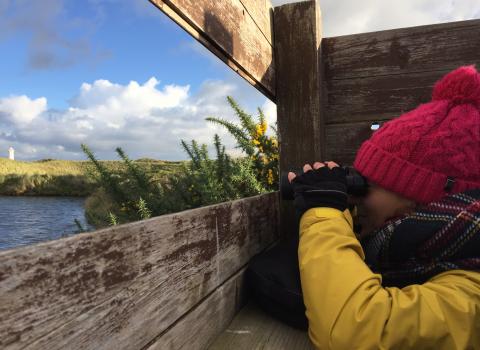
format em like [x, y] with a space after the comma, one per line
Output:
[42, 167]
[50, 177]
[127, 190]
[130, 193]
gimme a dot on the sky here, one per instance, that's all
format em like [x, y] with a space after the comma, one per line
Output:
[112, 73]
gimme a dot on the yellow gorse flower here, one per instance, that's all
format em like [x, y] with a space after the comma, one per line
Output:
[270, 176]
[261, 129]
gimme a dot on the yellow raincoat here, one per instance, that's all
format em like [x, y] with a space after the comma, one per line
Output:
[348, 308]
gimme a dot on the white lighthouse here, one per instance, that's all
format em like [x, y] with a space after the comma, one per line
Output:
[11, 153]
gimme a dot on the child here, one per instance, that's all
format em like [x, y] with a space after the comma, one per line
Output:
[414, 280]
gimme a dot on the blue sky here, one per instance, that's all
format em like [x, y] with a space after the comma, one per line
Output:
[114, 73]
[118, 41]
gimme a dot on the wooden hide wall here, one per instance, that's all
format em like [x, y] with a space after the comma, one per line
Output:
[170, 282]
[377, 76]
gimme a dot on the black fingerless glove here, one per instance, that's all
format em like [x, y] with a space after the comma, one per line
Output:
[322, 187]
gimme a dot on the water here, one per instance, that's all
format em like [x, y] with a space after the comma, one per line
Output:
[28, 220]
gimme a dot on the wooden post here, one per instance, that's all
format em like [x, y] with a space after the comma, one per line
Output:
[297, 39]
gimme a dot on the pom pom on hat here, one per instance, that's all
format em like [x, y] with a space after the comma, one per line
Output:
[459, 86]
[433, 150]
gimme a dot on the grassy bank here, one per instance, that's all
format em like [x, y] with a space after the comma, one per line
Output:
[64, 177]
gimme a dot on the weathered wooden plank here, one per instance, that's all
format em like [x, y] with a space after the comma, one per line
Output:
[253, 329]
[261, 12]
[441, 47]
[343, 140]
[395, 74]
[121, 287]
[297, 33]
[378, 97]
[200, 327]
[234, 32]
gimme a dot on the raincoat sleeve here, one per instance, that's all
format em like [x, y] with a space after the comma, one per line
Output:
[347, 307]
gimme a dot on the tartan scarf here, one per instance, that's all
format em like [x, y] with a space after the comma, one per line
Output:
[437, 237]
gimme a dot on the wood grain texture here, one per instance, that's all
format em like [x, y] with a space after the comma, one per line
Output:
[202, 325]
[236, 31]
[438, 47]
[299, 110]
[297, 33]
[261, 12]
[254, 330]
[120, 287]
[379, 76]
[378, 97]
[343, 140]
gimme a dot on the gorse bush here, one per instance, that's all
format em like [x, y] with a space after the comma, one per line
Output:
[131, 194]
[124, 193]
[252, 139]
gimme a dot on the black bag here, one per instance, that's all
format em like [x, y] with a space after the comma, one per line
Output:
[273, 279]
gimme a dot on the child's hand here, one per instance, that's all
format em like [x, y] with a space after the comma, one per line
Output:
[316, 165]
[323, 186]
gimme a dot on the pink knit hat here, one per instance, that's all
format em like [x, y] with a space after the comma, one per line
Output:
[433, 150]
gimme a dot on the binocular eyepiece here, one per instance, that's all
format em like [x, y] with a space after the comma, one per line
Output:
[357, 185]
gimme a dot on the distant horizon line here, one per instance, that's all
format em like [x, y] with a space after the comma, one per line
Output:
[86, 160]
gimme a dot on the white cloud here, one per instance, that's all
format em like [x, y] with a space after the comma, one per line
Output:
[116, 104]
[21, 109]
[146, 120]
[270, 110]
[342, 17]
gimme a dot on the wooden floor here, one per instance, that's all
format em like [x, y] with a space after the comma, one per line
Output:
[252, 329]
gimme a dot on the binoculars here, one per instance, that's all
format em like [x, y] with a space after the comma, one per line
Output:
[357, 185]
